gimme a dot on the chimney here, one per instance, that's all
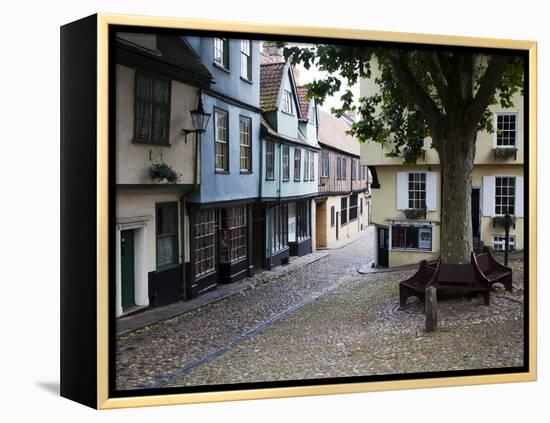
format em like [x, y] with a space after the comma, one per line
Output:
[272, 54]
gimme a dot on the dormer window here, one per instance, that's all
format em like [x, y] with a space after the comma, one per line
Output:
[221, 52]
[287, 102]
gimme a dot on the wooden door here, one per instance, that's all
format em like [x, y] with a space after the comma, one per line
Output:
[258, 237]
[383, 239]
[127, 267]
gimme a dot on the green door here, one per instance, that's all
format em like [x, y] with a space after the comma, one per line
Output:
[127, 266]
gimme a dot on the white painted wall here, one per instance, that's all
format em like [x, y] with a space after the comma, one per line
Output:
[132, 163]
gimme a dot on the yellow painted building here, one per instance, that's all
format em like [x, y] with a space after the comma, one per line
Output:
[497, 186]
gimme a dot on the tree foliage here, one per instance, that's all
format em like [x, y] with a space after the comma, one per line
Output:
[420, 92]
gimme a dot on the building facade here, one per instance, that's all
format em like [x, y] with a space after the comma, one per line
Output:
[158, 81]
[289, 160]
[406, 200]
[220, 212]
[343, 202]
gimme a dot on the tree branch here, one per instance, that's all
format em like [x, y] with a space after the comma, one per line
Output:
[466, 71]
[489, 83]
[417, 95]
[436, 72]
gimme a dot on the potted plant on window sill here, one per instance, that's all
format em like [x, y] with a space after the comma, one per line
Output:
[323, 180]
[415, 214]
[505, 153]
[500, 221]
[161, 172]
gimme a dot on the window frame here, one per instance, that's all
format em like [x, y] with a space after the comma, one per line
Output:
[269, 172]
[278, 221]
[203, 220]
[306, 165]
[513, 196]
[234, 232]
[175, 242]
[512, 242]
[226, 169]
[411, 249]
[248, 120]
[353, 170]
[248, 61]
[353, 208]
[325, 164]
[312, 166]
[287, 106]
[286, 162]
[168, 105]
[417, 192]
[516, 133]
[224, 63]
[332, 216]
[298, 161]
[343, 216]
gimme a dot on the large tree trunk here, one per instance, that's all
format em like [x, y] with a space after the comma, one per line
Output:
[456, 155]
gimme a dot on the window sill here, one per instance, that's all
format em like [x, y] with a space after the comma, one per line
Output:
[288, 114]
[158, 144]
[410, 250]
[221, 67]
[222, 172]
[246, 80]
[246, 172]
[286, 180]
[269, 179]
[167, 267]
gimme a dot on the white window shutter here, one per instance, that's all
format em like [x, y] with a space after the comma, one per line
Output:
[519, 196]
[489, 196]
[431, 191]
[402, 190]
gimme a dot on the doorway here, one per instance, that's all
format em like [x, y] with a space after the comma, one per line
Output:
[383, 240]
[258, 237]
[476, 218]
[127, 261]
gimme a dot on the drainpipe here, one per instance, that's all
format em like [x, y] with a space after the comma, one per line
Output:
[197, 155]
[183, 245]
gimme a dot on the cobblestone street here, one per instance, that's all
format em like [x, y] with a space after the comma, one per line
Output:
[322, 320]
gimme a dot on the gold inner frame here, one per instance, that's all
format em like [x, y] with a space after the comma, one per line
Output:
[103, 22]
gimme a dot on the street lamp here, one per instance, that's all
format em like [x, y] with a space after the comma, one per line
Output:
[200, 120]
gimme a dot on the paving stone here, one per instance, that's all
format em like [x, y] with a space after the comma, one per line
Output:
[340, 323]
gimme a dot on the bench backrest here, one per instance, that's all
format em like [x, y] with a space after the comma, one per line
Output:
[484, 262]
[461, 273]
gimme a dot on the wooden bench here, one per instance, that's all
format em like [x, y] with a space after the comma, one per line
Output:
[416, 285]
[445, 277]
[493, 270]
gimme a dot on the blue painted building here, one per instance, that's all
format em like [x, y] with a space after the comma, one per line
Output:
[288, 163]
[220, 213]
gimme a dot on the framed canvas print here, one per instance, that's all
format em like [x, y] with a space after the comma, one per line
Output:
[255, 211]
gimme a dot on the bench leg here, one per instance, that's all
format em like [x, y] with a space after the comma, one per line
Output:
[403, 296]
[508, 283]
[487, 297]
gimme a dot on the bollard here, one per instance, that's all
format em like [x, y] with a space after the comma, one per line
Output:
[430, 305]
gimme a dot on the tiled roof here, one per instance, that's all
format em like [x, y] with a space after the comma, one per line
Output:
[270, 131]
[332, 133]
[304, 104]
[173, 51]
[271, 76]
[176, 51]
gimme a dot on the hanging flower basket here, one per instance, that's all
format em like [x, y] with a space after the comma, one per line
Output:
[499, 221]
[415, 213]
[161, 172]
[503, 153]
